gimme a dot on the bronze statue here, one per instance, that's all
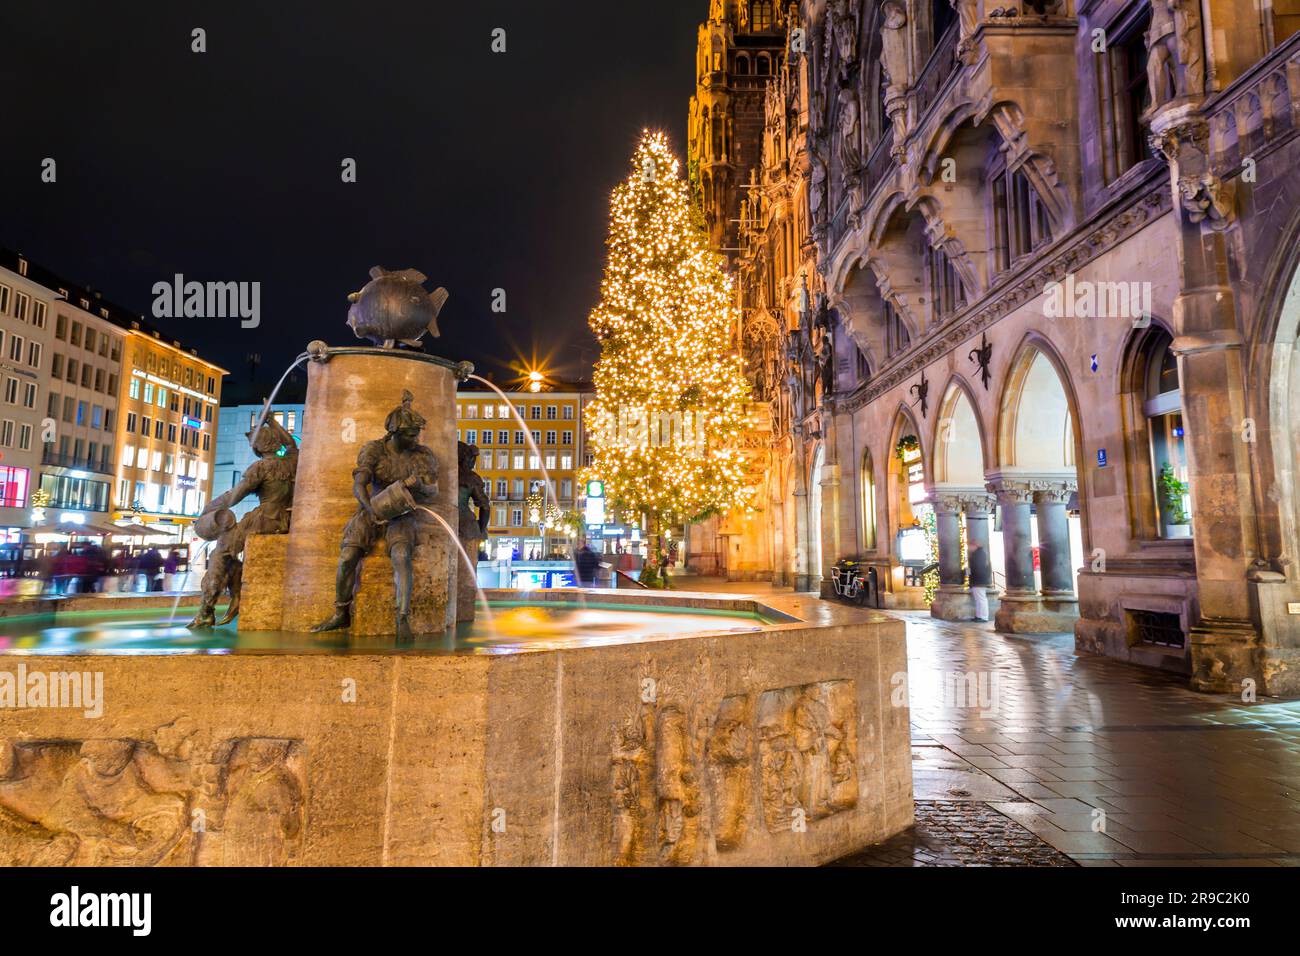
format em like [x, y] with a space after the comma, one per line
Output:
[394, 310]
[271, 478]
[395, 475]
[471, 495]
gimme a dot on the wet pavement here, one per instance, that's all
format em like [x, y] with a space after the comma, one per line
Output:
[1105, 763]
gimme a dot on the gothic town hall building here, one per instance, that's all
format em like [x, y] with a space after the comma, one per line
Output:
[1019, 280]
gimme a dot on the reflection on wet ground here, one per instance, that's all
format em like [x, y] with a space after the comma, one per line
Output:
[515, 627]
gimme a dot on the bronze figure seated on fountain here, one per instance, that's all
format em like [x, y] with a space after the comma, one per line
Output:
[395, 476]
[271, 478]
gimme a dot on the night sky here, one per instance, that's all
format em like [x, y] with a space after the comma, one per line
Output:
[481, 170]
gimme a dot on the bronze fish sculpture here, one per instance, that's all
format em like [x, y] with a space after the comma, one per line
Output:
[393, 309]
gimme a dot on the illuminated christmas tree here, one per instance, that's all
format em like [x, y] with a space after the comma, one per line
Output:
[670, 394]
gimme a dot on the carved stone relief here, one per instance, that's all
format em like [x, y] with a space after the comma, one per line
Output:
[175, 800]
[787, 757]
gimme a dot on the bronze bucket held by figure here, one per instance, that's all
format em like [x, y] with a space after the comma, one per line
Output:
[393, 502]
[213, 524]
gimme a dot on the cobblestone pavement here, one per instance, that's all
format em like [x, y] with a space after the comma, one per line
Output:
[1108, 763]
[960, 833]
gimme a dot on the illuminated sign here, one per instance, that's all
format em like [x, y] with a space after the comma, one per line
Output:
[193, 423]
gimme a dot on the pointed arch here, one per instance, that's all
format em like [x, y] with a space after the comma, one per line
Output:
[1048, 438]
[960, 445]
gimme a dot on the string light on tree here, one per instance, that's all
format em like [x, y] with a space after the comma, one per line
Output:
[670, 395]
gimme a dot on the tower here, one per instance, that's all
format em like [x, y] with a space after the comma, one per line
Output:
[741, 47]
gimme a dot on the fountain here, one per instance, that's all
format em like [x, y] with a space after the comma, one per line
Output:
[577, 726]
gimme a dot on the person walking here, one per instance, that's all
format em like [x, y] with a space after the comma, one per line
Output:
[170, 567]
[151, 563]
[585, 563]
[981, 571]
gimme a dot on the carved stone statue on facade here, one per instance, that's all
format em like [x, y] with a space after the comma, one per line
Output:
[394, 478]
[893, 43]
[817, 185]
[1205, 200]
[1175, 56]
[849, 149]
[893, 57]
[968, 16]
[1187, 27]
[472, 504]
[845, 28]
[271, 479]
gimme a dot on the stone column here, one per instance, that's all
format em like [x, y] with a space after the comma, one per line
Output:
[952, 602]
[1017, 540]
[1020, 603]
[1054, 547]
[831, 551]
[979, 510]
[1224, 642]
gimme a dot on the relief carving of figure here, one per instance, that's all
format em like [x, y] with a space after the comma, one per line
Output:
[676, 788]
[730, 758]
[630, 786]
[165, 802]
[812, 723]
[271, 479]
[264, 814]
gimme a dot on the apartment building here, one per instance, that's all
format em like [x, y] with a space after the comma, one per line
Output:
[515, 467]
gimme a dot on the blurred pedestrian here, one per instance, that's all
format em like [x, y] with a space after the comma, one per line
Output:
[585, 563]
[150, 566]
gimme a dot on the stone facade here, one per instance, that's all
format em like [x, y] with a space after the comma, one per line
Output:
[1057, 252]
[777, 745]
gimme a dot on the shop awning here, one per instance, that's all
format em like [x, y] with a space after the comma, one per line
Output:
[139, 531]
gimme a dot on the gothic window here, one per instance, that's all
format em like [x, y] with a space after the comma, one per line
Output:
[946, 292]
[1122, 71]
[863, 368]
[867, 479]
[742, 65]
[763, 67]
[760, 15]
[1018, 218]
[1163, 408]
[897, 338]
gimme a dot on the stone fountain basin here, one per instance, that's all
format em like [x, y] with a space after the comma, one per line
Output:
[780, 736]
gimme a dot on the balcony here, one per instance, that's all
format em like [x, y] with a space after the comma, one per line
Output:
[942, 64]
[98, 465]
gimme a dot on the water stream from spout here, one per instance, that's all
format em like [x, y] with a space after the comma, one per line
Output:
[180, 591]
[470, 564]
[541, 463]
[266, 408]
